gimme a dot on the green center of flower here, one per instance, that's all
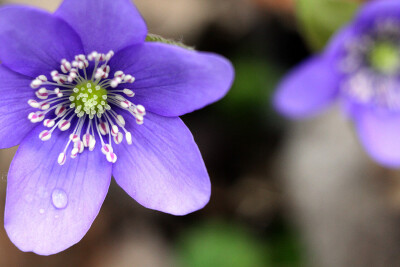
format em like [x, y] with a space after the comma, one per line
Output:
[385, 57]
[89, 98]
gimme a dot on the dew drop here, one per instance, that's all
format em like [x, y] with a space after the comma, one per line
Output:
[59, 198]
[41, 211]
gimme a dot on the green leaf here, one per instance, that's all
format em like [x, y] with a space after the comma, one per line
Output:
[157, 38]
[320, 19]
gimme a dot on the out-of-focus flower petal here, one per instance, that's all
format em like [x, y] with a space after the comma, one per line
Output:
[104, 25]
[50, 207]
[374, 11]
[379, 133]
[307, 90]
[15, 93]
[163, 169]
[172, 81]
[33, 42]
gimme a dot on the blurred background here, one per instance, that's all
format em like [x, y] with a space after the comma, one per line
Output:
[285, 194]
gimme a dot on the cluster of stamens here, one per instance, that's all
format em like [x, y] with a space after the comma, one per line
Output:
[72, 98]
[371, 65]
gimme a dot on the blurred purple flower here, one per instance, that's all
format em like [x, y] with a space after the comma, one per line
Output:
[361, 67]
[84, 100]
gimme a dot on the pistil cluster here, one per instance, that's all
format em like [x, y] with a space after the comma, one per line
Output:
[88, 102]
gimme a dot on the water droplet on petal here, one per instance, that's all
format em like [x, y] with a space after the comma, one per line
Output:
[59, 198]
[41, 211]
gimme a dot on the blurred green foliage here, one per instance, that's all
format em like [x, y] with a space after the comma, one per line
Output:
[250, 96]
[217, 244]
[320, 19]
[227, 244]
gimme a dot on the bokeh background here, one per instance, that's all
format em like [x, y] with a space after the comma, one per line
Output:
[285, 193]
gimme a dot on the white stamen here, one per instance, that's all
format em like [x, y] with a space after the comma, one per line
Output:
[62, 158]
[128, 137]
[75, 97]
[45, 135]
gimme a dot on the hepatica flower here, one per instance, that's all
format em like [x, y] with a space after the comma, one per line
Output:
[361, 68]
[87, 98]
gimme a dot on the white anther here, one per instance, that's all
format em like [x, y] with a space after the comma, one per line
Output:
[129, 92]
[79, 145]
[64, 125]
[44, 106]
[74, 152]
[54, 73]
[41, 96]
[60, 111]
[65, 66]
[106, 148]
[118, 138]
[99, 73]
[111, 157]
[103, 127]
[49, 123]
[128, 137]
[141, 110]
[93, 56]
[92, 144]
[35, 117]
[74, 137]
[115, 82]
[42, 78]
[129, 78]
[36, 83]
[33, 103]
[119, 74]
[62, 158]
[139, 120]
[106, 70]
[80, 57]
[86, 139]
[121, 120]
[109, 55]
[114, 130]
[125, 104]
[45, 135]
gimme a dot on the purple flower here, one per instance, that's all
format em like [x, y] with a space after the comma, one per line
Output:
[361, 67]
[74, 87]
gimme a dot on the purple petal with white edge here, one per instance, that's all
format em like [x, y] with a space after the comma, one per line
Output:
[163, 169]
[307, 90]
[51, 207]
[104, 25]
[379, 133]
[172, 81]
[33, 42]
[14, 110]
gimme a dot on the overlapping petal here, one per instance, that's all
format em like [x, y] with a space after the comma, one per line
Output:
[172, 81]
[308, 89]
[163, 168]
[14, 110]
[33, 42]
[379, 133]
[370, 13]
[38, 216]
[104, 25]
